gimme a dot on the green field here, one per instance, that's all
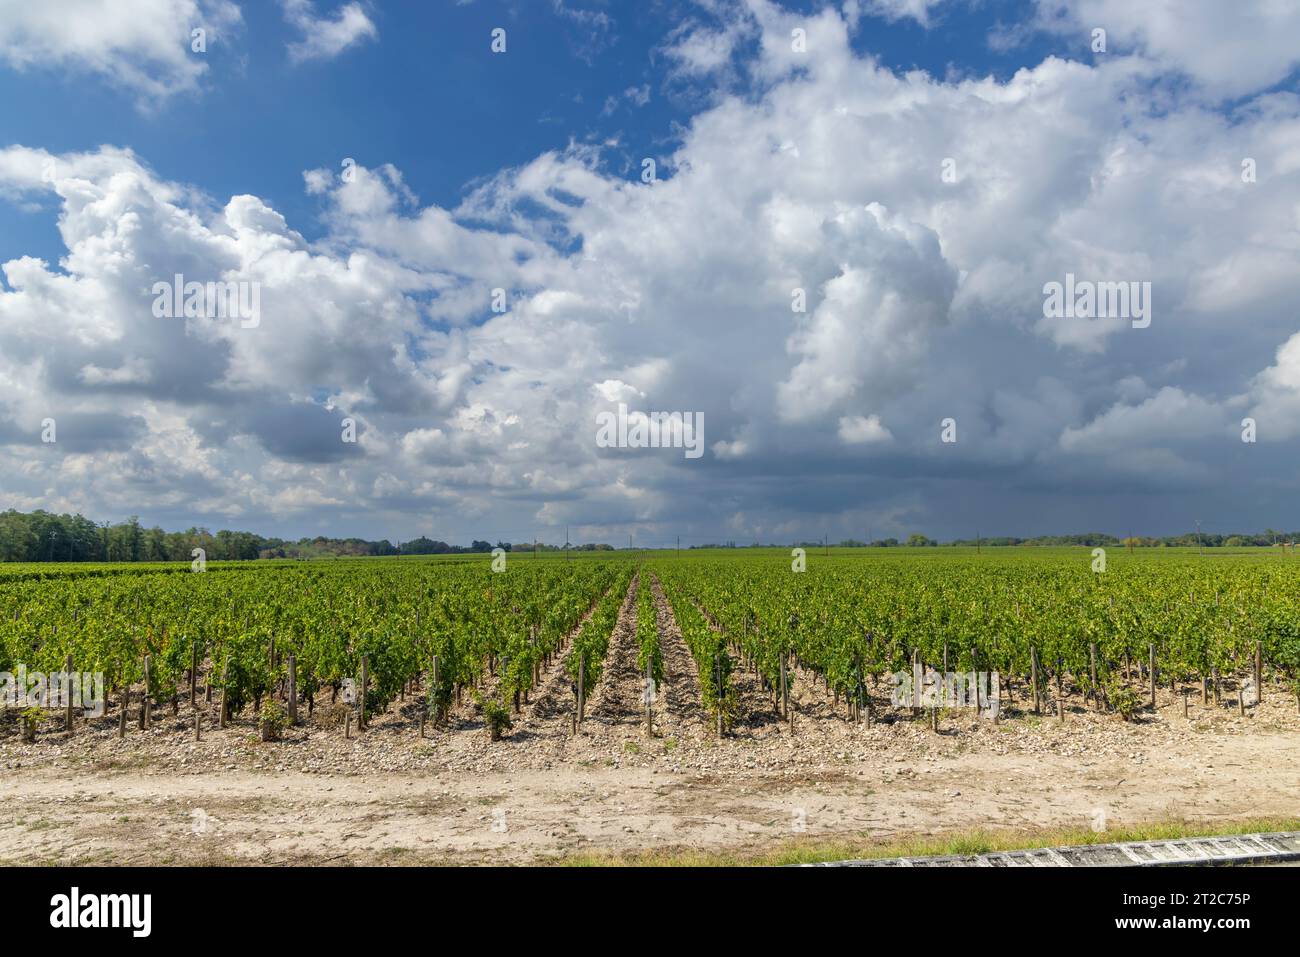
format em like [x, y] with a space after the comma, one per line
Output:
[851, 617]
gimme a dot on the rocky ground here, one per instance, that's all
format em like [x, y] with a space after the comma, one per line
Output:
[545, 792]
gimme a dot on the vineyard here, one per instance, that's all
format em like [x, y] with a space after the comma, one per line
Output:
[1039, 621]
[457, 646]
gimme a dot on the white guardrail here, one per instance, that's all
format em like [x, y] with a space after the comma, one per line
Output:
[1237, 849]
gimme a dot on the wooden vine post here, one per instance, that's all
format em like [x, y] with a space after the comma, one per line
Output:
[436, 689]
[717, 689]
[784, 690]
[424, 708]
[1259, 676]
[582, 686]
[293, 689]
[789, 709]
[225, 694]
[537, 663]
[67, 692]
[365, 682]
[194, 673]
[144, 703]
[1152, 669]
[1092, 659]
[785, 675]
[649, 697]
[1033, 675]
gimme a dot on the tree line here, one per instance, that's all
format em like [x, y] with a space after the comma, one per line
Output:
[45, 537]
[42, 536]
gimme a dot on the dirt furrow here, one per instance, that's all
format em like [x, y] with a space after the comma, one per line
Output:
[756, 705]
[551, 713]
[678, 708]
[548, 712]
[617, 698]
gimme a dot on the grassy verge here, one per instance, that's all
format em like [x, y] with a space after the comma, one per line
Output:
[814, 851]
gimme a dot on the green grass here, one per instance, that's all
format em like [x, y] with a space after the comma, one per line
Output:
[816, 851]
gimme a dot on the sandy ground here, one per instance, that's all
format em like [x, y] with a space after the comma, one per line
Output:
[386, 796]
[289, 817]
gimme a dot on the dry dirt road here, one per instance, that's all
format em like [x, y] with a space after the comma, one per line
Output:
[135, 817]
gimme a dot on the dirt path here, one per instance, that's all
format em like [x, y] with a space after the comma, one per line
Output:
[549, 716]
[617, 698]
[678, 711]
[135, 817]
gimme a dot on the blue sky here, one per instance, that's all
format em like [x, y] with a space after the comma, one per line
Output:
[820, 168]
[430, 97]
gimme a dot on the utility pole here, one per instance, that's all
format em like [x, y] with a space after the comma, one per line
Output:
[679, 544]
[566, 542]
[977, 541]
[1199, 542]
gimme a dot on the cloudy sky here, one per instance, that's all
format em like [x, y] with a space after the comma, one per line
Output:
[915, 171]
